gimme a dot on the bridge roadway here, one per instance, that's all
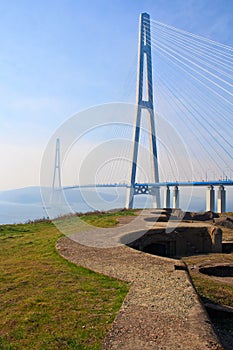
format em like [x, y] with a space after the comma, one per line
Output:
[158, 184]
[149, 189]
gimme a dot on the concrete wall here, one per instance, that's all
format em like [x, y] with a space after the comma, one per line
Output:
[181, 242]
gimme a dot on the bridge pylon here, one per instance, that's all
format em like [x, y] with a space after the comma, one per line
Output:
[144, 84]
[56, 193]
[56, 184]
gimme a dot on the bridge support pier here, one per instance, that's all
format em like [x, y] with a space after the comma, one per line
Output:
[221, 208]
[167, 195]
[176, 199]
[210, 198]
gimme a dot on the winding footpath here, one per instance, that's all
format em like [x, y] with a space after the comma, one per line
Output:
[161, 311]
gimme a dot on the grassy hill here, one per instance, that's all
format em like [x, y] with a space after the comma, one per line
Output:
[47, 302]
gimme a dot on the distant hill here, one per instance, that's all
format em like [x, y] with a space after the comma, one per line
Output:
[27, 195]
[32, 195]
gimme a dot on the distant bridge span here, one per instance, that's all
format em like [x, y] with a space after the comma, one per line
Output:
[157, 184]
[149, 188]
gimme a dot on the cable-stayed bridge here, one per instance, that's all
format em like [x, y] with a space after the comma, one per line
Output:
[182, 130]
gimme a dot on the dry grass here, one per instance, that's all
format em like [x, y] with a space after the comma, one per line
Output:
[210, 288]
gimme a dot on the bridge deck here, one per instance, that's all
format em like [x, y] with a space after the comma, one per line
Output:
[158, 184]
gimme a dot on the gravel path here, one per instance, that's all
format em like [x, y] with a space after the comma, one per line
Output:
[161, 310]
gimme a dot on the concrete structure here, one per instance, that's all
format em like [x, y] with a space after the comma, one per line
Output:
[176, 198]
[221, 207]
[167, 196]
[144, 103]
[183, 241]
[210, 198]
[221, 200]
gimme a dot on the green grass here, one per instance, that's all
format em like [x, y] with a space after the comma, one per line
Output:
[109, 219]
[47, 302]
[216, 292]
[73, 222]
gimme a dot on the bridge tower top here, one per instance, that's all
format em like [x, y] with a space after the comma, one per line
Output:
[144, 78]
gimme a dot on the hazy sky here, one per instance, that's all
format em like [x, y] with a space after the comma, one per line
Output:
[61, 56]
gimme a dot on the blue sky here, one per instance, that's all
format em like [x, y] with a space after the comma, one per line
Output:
[60, 57]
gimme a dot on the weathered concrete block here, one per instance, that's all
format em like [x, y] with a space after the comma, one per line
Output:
[216, 237]
[182, 241]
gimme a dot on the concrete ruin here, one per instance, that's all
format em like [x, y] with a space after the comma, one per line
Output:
[183, 241]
